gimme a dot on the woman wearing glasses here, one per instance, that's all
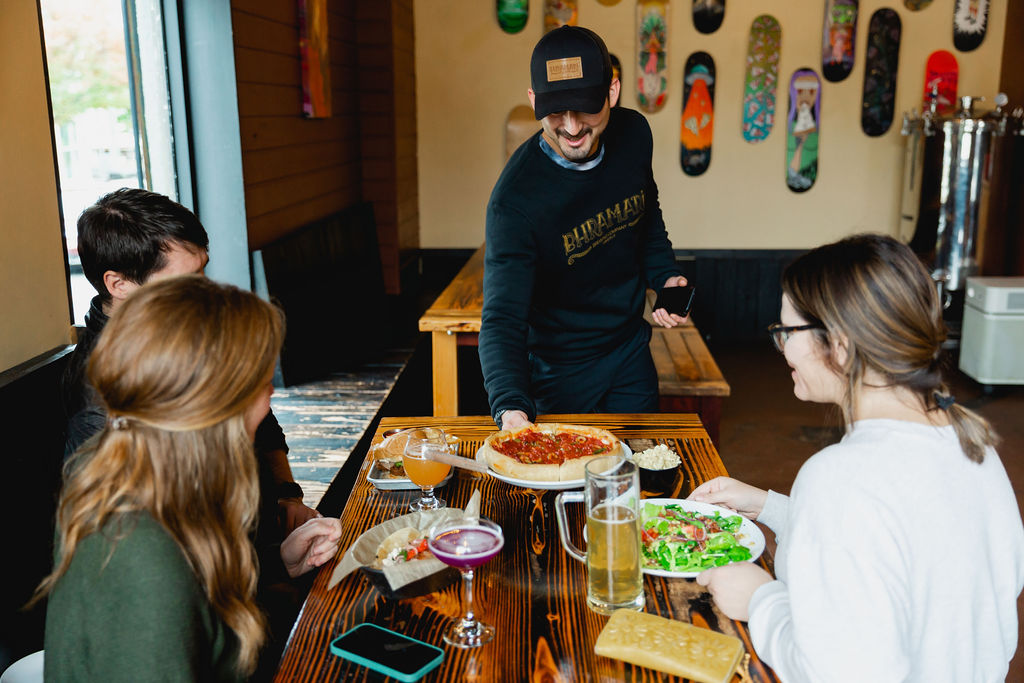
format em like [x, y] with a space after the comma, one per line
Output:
[900, 549]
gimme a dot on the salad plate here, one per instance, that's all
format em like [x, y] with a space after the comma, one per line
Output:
[662, 548]
[546, 485]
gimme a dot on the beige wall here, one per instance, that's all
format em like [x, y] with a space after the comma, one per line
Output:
[33, 285]
[470, 74]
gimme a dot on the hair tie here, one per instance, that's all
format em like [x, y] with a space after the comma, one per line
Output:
[119, 423]
[944, 402]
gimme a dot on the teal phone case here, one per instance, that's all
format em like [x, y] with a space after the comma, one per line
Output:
[405, 676]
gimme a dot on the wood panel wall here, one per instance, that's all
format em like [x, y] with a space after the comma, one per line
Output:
[298, 170]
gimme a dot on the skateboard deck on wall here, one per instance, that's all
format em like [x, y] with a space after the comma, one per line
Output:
[559, 13]
[512, 15]
[941, 74]
[519, 126]
[970, 23]
[762, 78]
[802, 130]
[916, 5]
[698, 119]
[881, 61]
[708, 15]
[652, 54]
[838, 39]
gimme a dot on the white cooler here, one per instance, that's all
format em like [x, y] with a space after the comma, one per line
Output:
[992, 337]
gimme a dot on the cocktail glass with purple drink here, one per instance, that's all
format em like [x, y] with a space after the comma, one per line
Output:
[466, 543]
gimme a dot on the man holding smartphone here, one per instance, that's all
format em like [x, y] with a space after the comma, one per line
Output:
[575, 236]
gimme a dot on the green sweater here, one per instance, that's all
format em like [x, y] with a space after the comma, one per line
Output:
[136, 614]
[569, 255]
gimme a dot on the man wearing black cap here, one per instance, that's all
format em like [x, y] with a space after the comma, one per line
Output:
[574, 238]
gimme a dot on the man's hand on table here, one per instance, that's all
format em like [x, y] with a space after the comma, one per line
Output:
[663, 317]
[311, 545]
[514, 419]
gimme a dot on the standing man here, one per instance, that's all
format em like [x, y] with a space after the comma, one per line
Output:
[574, 238]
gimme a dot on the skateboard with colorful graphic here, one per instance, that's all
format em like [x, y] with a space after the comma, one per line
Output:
[881, 61]
[838, 39]
[916, 5]
[652, 54]
[802, 130]
[708, 15]
[519, 126]
[698, 120]
[941, 74]
[970, 23]
[512, 15]
[762, 78]
[559, 13]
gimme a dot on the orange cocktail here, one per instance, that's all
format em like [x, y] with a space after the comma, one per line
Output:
[424, 472]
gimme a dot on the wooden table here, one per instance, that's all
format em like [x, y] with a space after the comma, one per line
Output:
[534, 593]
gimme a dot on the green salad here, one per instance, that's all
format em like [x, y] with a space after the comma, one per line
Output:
[677, 540]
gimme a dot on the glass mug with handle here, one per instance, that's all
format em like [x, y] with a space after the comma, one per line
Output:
[611, 495]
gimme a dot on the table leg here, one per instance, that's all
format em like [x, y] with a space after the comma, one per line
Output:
[446, 373]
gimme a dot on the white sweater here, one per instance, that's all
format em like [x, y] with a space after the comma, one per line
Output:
[898, 560]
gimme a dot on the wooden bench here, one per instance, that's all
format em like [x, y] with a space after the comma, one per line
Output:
[689, 379]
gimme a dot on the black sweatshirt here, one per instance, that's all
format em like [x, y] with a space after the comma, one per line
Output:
[568, 257]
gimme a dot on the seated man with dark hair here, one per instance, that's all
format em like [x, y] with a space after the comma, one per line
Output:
[126, 239]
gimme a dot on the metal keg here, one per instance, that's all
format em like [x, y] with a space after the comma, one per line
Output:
[956, 191]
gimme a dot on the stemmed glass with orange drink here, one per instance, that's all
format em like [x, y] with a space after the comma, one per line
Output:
[423, 471]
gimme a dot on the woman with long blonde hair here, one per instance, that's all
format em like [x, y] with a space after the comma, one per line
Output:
[901, 549]
[155, 574]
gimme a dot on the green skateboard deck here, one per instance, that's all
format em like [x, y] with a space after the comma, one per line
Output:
[762, 79]
[559, 13]
[708, 15]
[916, 5]
[652, 54]
[838, 39]
[941, 74]
[802, 130]
[880, 65]
[698, 120]
[970, 23]
[512, 15]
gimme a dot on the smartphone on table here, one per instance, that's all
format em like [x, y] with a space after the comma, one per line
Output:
[387, 652]
[678, 300]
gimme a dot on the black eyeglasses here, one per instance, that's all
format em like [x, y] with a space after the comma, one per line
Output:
[781, 333]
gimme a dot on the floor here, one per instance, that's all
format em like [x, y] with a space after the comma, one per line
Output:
[766, 433]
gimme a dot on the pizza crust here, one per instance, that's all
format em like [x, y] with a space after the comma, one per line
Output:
[569, 470]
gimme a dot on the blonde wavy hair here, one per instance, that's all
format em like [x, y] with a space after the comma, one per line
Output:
[873, 292]
[177, 366]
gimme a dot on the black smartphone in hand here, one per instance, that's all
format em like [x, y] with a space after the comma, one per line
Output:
[387, 652]
[676, 300]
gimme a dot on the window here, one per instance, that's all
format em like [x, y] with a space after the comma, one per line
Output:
[107, 68]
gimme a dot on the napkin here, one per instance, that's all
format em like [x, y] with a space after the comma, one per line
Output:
[363, 552]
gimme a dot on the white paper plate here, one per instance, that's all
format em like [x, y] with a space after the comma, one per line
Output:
[748, 535]
[546, 485]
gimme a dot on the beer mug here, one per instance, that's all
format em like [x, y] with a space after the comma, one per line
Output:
[611, 495]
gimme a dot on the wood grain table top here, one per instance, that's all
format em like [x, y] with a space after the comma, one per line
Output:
[533, 592]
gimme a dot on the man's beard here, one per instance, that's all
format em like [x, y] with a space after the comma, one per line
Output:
[575, 153]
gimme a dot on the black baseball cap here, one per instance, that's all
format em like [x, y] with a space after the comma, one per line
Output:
[570, 71]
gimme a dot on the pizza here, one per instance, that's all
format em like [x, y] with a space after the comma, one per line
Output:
[547, 452]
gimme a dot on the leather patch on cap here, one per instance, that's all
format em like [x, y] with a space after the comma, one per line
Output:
[564, 69]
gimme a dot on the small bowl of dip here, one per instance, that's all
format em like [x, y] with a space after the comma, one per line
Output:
[659, 469]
